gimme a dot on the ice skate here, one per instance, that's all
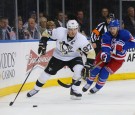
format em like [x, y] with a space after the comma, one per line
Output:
[94, 90]
[86, 87]
[32, 92]
[75, 95]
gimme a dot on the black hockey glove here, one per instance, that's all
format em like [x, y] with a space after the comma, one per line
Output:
[42, 45]
[87, 67]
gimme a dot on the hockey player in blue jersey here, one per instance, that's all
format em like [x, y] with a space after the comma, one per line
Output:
[115, 44]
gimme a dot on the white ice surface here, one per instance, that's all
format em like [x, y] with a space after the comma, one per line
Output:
[116, 98]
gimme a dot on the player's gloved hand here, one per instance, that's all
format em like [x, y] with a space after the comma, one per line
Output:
[86, 70]
[41, 49]
[105, 57]
[42, 45]
[120, 45]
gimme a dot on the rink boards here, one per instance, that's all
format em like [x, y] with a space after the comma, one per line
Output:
[18, 58]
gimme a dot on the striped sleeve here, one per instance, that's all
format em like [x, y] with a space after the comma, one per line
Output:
[97, 32]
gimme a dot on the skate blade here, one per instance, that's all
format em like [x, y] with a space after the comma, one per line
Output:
[75, 98]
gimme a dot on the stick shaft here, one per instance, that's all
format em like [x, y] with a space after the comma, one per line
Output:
[24, 81]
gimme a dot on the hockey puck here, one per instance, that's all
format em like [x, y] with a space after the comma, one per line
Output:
[34, 105]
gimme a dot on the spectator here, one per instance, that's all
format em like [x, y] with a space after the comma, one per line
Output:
[32, 30]
[129, 20]
[58, 21]
[104, 15]
[20, 18]
[31, 15]
[51, 25]
[66, 18]
[41, 14]
[42, 26]
[83, 23]
[6, 32]
[21, 32]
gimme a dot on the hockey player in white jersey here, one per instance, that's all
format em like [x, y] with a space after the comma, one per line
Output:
[68, 42]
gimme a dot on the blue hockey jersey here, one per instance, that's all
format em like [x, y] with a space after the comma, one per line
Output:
[109, 42]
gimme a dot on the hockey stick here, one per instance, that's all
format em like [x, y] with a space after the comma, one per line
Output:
[69, 85]
[12, 102]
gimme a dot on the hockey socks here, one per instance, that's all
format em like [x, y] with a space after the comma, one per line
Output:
[103, 75]
[90, 80]
[39, 83]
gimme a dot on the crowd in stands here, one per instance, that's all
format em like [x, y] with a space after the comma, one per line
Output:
[31, 30]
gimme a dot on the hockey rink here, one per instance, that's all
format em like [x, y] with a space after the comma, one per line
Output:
[116, 98]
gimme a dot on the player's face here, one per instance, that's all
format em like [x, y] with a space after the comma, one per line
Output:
[72, 32]
[113, 30]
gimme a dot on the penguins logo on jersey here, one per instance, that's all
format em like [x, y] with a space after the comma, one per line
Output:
[65, 48]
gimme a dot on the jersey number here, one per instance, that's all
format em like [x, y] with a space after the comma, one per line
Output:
[87, 48]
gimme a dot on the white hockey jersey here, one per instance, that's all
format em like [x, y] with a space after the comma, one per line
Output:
[66, 50]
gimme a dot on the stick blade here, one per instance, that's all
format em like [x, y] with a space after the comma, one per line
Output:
[63, 85]
[11, 103]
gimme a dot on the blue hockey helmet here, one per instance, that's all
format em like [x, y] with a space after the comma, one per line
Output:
[114, 23]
